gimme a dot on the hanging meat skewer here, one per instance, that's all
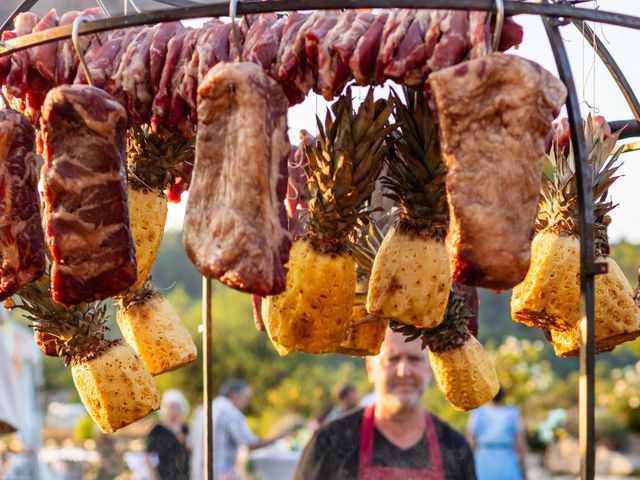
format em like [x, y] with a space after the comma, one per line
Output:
[153, 70]
[22, 258]
[86, 214]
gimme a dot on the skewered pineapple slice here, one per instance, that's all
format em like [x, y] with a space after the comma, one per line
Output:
[152, 327]
[115, 386]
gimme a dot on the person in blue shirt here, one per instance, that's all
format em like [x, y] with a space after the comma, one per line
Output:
[496, 435]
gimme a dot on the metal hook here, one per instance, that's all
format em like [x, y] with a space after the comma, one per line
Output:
[74, 39]
[233, 8]
[103, 7]
[497, 33]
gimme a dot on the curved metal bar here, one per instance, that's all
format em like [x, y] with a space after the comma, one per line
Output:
[221, 9]
[497, 34]
[207, 376]
[25, 6]
[587, 256]
[611, 65]
[631, 128]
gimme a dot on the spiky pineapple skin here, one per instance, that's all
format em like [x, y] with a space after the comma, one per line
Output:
[549, 296]
[617, 317]
[363, 339]
[115, 387]
[314, 311]
[147, 215]
[465, 375]
[154, 330]
[410, 279]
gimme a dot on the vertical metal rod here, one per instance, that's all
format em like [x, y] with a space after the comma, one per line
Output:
[207, 377]
[587, 255]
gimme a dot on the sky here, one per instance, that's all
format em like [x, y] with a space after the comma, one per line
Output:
[598, 93]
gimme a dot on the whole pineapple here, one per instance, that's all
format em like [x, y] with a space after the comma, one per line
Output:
[549, 296]
[410, 280]
[313, 312]
[154, 330]
[113, 383]
[152, 157]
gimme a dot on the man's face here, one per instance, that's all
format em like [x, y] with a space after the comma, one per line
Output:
[399, 373]
[173, 412]
[241, 400]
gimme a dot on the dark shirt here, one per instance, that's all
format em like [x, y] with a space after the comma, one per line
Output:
[173, 456]
[332, 453]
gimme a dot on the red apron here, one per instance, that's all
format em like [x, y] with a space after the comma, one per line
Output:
[368, 471]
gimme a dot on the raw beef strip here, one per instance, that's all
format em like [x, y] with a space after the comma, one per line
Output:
[85, 190]
[215, 49]
[453, 44]
[235, 224]
[479, 34]
[331, 73]
[263, 38]
[17, 82]
[43, 57]
[411, 55]
[363, 61]
[5, 62]
[494, 113]
[293, 67]
[162, 100]
[134, 69]
[178, 108]
[158, 51]
[22, 253]
[395, 29]
[101, 63]
[66, 59]
[113, 83]
[353, 25]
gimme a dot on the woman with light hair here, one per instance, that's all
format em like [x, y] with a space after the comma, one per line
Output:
[167, 452]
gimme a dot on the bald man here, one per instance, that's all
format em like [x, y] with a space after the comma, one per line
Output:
[394, 439]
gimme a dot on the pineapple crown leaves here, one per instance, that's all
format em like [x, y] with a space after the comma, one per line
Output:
[365, 242]
[343, 163]
[75, 331]
[154, 157]
[452, 333]
[416, 171]
[558, 208]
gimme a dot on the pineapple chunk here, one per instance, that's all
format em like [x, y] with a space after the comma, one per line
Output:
[617, 318]
[364, 335]
[465, 375]
[313, 312]
[549, 296]
[115, 387]
[147, 215]
[153, 329]
[410, 279]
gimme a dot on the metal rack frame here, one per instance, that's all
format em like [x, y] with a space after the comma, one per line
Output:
[553, 16]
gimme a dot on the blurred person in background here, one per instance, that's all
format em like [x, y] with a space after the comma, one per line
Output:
[396, 438]
[348, 400]
[111, 461]
[496, 435]
[167, 452]
[230, 432]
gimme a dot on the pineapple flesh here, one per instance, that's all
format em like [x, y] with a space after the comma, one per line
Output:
[549, 296]
[365, 333]
[313, 313]
[410, 279]
[152, 159]
[113, 383]
[154, 330]
[115, 387]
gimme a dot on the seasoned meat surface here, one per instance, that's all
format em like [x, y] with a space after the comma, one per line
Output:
[235, 225]
[85, 190]
[494, 113]
[22, 254]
